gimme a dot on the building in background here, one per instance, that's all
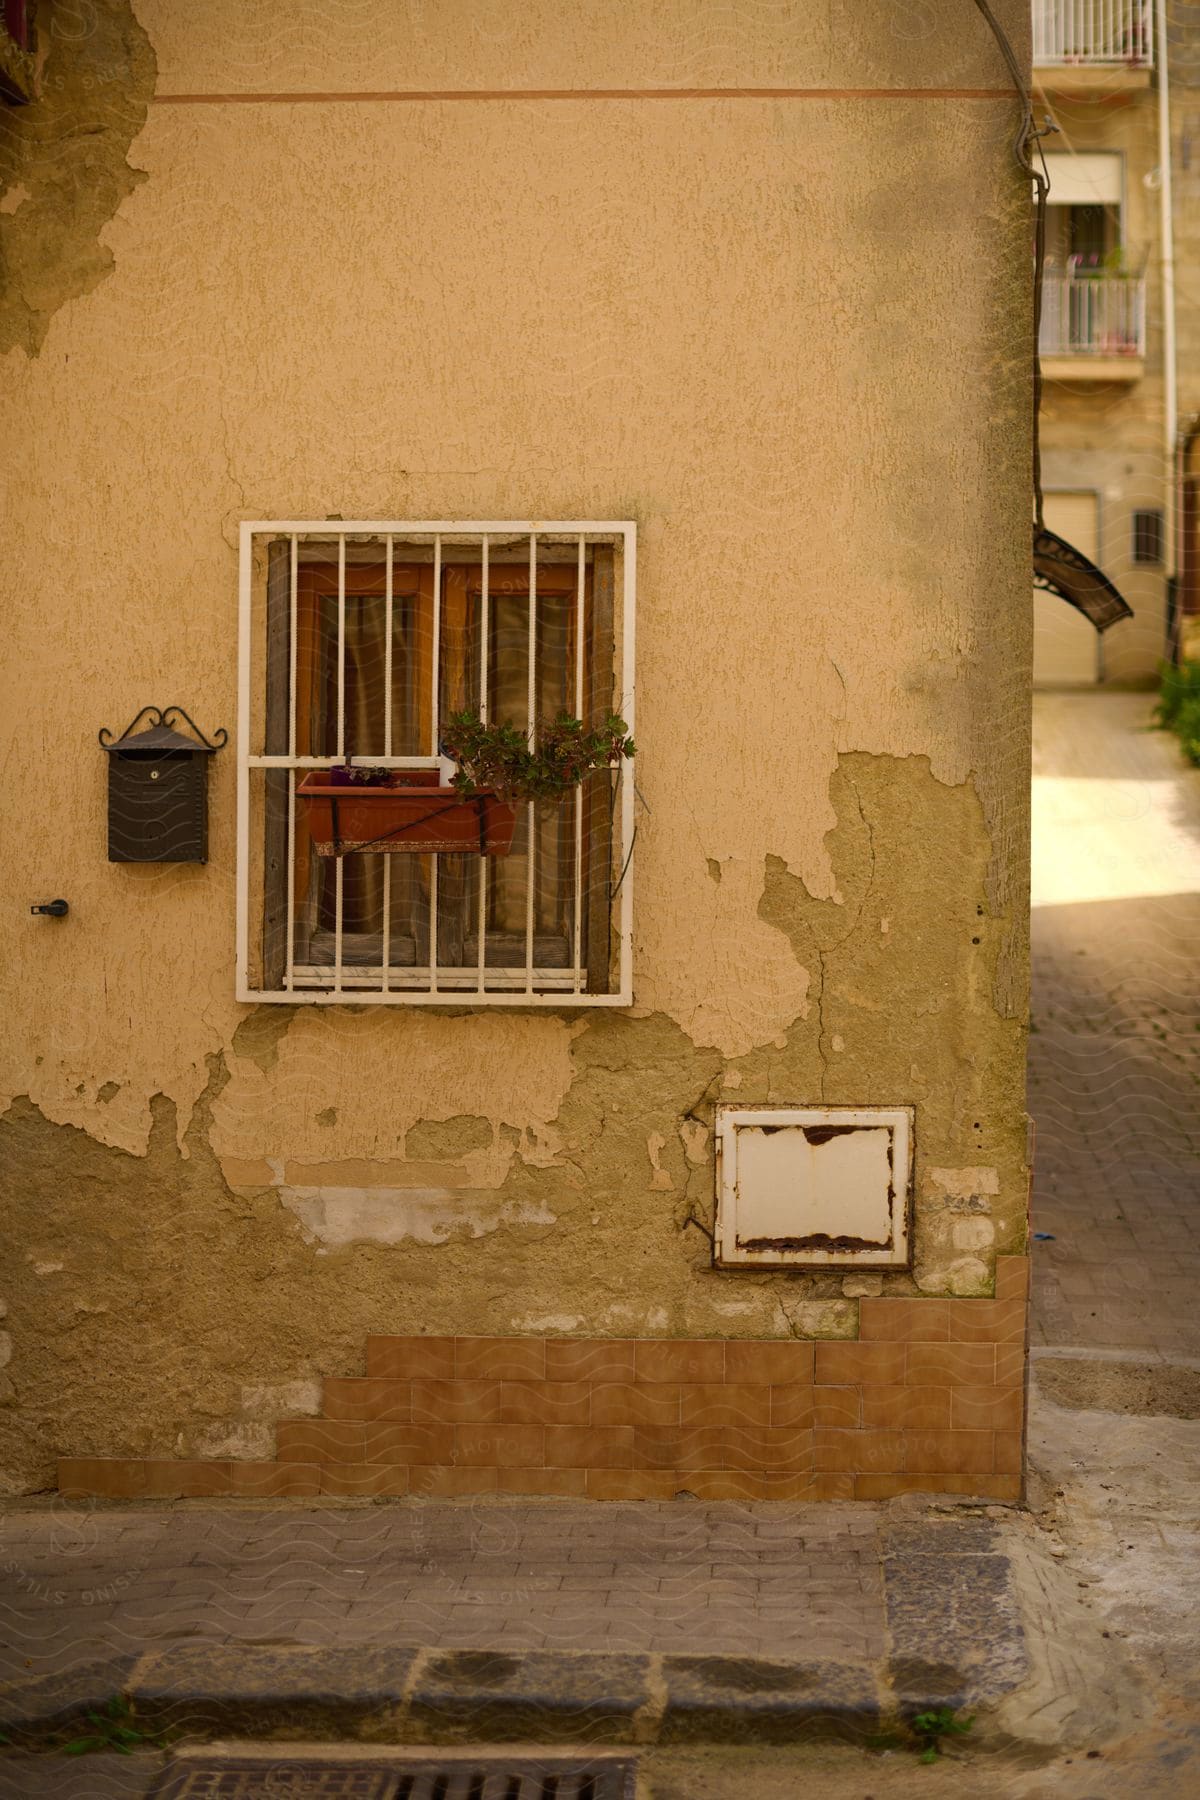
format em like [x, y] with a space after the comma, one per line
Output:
[1184, 51]
[1107, 406]
[1120, 336]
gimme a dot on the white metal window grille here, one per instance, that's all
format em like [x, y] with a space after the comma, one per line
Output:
[356, 640]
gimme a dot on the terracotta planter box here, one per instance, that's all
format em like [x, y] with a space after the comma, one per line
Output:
[411, 814]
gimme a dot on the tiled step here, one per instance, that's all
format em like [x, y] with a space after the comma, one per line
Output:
[117, 1479]
[122, 1478]
[592, 1360]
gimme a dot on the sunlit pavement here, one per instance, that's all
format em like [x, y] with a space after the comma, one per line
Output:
[1115, 1053]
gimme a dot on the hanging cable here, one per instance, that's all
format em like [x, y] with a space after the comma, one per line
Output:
[1058, 568]
[1025, 143]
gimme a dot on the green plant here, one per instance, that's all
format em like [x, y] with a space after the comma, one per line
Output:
[501, 759]
[1178, 708]
[112, 1729]
[1116, 262]
[929, 1728]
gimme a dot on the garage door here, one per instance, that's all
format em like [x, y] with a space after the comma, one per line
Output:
[1065, 646]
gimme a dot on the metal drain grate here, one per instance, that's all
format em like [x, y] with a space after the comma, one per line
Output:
[402, 1775]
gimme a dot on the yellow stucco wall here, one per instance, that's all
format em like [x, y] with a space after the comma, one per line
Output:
[788, 336]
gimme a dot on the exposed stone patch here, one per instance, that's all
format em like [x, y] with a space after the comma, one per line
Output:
[334, 1216]
[67, 153]
[965, 1184]
[260, 1034]
[821, 1318]
[251, 1436]
[448, 1140]
[862, 1287]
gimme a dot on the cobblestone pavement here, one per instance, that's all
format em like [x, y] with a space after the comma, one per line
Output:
[1115, 1052]
[718, 1579]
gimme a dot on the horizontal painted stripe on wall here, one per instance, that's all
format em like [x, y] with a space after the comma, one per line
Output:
[456, 94]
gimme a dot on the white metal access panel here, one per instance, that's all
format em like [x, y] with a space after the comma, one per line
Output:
[356, 641]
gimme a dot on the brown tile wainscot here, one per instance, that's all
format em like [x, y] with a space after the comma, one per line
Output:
[929, 1398]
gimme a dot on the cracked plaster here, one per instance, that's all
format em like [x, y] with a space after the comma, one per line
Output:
[64, 167]
[568, 1220]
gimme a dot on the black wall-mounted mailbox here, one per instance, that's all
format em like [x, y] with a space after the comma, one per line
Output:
[158, 789]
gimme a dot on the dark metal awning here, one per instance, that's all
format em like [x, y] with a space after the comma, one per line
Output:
[1060, 569]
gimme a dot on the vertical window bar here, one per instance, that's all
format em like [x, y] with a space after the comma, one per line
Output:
[337, 924]
[577, 873]
[289, 974]
[386, 952]
[388, 708]
[293, 604]
[532, 705]
[341, 751]
[435, 675]
[433, 924]
[624, 777]
[483, 713]
[387, 653]
[435, 750]
[244, 751]
[341, 651]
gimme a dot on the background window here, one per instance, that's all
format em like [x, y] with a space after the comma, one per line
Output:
[1148, 536]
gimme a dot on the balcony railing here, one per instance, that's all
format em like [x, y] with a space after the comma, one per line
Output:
[1093, 315]
[1093, 32]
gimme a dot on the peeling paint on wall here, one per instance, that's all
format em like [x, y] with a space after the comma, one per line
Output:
[565, 1223]
[64, 165]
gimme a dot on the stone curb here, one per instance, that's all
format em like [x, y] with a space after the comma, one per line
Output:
[448, 1696]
